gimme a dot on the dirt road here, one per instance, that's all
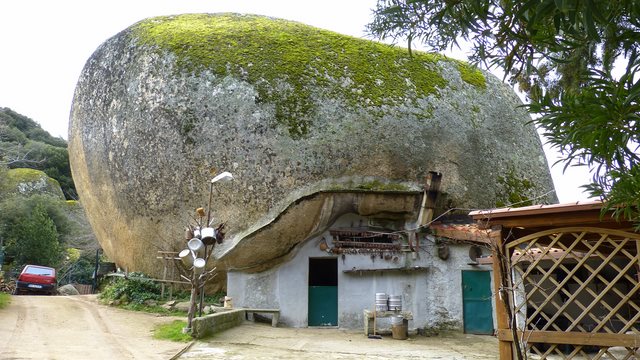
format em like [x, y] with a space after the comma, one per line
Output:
[76, 327]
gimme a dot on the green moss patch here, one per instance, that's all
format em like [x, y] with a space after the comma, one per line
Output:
[375, 185]
[291, 64]
[471, 75]
[24, 175]
[517, 191]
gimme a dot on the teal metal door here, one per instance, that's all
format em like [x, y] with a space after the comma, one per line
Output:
[323, 292]
[476, 302]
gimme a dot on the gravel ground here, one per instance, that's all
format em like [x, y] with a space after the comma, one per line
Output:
[260, 341]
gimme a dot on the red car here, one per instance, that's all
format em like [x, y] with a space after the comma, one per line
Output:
[37, 279]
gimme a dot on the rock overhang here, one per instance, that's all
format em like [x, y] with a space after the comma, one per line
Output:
[276, 239]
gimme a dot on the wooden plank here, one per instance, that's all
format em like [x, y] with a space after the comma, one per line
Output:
[369, 314]
[551, 220]
[170, 281]
[262, 310]
[407, 269]
[573, 338]
[502, 318]
[536, 210]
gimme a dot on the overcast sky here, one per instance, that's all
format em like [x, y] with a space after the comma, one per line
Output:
[44, 45]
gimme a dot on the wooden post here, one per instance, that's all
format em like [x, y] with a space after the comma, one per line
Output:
[431, 191]
[171, 284]
[638, 257]
[164, 276]
[502, 317]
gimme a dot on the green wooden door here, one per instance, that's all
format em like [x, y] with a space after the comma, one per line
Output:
[476, 302]
[323, 292]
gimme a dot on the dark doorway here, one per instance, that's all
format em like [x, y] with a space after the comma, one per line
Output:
[323, 292]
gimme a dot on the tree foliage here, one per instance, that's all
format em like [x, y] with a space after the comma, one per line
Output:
[565, 55]
[23, 143]
[21, 218]
[35, 240]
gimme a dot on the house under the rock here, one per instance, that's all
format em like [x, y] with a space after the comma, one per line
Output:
[336, 277]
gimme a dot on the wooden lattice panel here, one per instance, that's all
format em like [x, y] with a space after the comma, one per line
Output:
[576, 293]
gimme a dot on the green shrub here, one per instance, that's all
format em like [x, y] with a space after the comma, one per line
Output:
[134, 289]
[35, 240]
[33, 229]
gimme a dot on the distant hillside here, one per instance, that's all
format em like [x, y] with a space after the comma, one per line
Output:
[24, 144]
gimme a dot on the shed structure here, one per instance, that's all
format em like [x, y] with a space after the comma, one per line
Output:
[568, 282]
[333, 279]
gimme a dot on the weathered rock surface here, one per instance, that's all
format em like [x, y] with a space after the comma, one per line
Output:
[300, 116]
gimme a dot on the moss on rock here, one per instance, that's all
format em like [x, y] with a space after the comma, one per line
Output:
[24, 181]
[517, 190]
[471, 74]
[269, 53]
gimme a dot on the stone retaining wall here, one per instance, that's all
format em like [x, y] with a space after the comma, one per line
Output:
[213, 323]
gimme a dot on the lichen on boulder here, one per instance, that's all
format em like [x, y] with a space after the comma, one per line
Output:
[294, 112]
[26, 182]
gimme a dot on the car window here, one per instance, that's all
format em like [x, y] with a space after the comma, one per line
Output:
[38, 271]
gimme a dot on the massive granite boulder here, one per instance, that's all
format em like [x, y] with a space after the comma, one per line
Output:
[310, 122]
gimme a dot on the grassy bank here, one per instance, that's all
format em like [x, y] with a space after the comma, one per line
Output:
[172, 331]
